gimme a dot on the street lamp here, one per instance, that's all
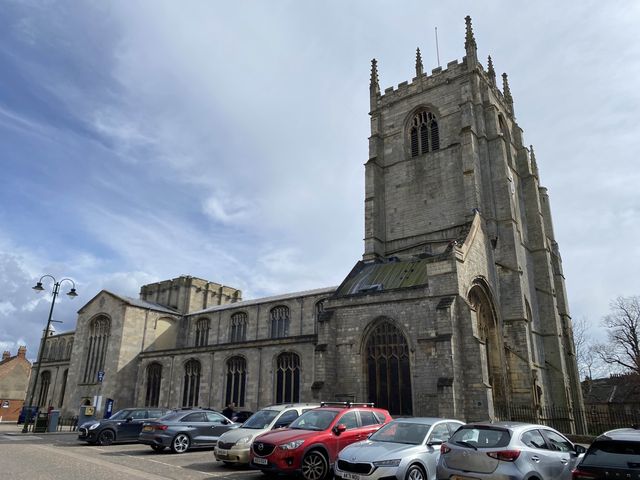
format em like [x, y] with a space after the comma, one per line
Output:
[56, 289]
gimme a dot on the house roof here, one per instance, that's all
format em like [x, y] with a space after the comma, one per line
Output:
[615, 389]
[134, 302]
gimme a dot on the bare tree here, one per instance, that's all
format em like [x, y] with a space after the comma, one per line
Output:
[623, 329]
[586, 355]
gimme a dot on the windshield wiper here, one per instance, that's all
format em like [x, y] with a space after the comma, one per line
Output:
[465, 444]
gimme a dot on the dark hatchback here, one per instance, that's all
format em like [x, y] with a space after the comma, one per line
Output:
[123, 426]
[182, 430]
[612, 455]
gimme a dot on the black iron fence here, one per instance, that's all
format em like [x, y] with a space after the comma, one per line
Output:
[598, 418]
[40, 424]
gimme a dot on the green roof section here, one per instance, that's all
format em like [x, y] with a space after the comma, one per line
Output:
[388, 275]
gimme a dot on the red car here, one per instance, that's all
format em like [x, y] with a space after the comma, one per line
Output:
[311, 443]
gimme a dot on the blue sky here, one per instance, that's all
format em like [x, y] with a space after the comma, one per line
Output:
[226, 140]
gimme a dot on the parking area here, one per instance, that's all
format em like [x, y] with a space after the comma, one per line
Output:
[60, 456]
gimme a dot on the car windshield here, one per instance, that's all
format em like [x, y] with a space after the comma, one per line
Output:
[480, 437]
[401, 432]
[121, 415]
[261, 419]
[314, 420]
[613, 453]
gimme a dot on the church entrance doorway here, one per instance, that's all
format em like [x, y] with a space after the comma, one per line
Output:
[388, 369]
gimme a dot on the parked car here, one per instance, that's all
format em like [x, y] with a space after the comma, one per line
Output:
[508, 450]
[311, 443]
[32, 411]
[233, 446]
[124, 425]
[241, 416]
[406, 448]
[614, 454]
[182, 430]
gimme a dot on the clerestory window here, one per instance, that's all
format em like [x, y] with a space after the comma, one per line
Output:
[424, 134]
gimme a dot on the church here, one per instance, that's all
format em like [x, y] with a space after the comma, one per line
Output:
[457, 308]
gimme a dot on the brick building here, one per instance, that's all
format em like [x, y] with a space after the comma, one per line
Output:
[457, 308]
[14, 378]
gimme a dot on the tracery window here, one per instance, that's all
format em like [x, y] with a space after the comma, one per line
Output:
[238, 331]
[236, 381]
[279, 322]
[45, 381]
[424, 134]
[191, 387]
[96, 348]
[154, 377]
[202, 332]
[288, 378]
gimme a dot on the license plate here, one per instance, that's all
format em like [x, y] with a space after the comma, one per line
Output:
[350, 476]
[260, 461]
[222, 453]
[147, 429]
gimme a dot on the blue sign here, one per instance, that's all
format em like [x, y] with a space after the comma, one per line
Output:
[108, 408]
[100, 376]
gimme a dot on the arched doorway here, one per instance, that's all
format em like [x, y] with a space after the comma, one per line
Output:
[492, 346]
[388, 369]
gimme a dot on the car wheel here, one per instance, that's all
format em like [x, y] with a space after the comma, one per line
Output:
[106, 437]
[180, 443]
[314, 466]
[415, 473]
[157, 448]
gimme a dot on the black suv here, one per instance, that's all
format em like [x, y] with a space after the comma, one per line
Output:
[123, 426]
[614, 454]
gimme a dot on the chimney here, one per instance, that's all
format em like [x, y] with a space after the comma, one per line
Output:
[22, 351]
[6, 355]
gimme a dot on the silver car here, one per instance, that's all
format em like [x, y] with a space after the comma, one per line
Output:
[406, 449]
[508, 451]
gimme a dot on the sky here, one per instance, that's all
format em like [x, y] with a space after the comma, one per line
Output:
[141, 141]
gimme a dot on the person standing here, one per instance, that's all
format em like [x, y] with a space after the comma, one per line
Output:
[228, 412]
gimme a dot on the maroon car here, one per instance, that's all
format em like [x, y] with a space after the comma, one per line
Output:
[311, 443]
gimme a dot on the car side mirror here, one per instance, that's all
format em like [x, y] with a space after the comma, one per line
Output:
[129, 419]
[225, 422]
[338, 429]
[434, 442]
[579, 449]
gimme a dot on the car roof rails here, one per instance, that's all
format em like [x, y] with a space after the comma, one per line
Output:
[347, 404]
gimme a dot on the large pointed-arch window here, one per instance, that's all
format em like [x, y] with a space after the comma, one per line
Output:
[388, 369]
[191, 384]
[236, 381]
[279, 322]
[238, 331]
[96, 348]
[45, 381]
[154, 377]
[424, 134]
[202, 332]
[287, 378]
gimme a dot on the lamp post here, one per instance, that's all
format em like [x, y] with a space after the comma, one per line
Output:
[56, 289]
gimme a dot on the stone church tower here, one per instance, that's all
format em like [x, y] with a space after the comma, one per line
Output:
[460, 266]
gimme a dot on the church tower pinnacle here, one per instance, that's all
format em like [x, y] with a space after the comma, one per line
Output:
[419, 67]
[506, 91]
[470, 45]
[491, 71]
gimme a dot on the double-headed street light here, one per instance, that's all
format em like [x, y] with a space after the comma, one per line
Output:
[56, 289]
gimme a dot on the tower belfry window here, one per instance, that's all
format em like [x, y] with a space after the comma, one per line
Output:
[424, 134]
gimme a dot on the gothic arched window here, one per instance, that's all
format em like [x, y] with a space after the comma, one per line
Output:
[69, 347]
[424, 133]
[238, 331]
[236, 381]
[288, 378]
[154, 377]
[191, 387]
[96, 348]
[45, 381]
[387, 364]
[279, 322]
[202, 332]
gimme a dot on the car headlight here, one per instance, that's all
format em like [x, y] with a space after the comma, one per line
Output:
[387, 463]
[94, 426]
[244, 440]
[291, 445]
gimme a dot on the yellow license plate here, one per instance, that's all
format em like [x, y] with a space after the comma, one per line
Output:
[147, 429]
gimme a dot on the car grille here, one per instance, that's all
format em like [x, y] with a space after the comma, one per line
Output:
[262, 449]
[345, 466]
[83, 431]
[225, 446]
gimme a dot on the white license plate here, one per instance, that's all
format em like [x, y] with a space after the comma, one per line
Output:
[222, 453]
[350, 476]
[260, 461]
